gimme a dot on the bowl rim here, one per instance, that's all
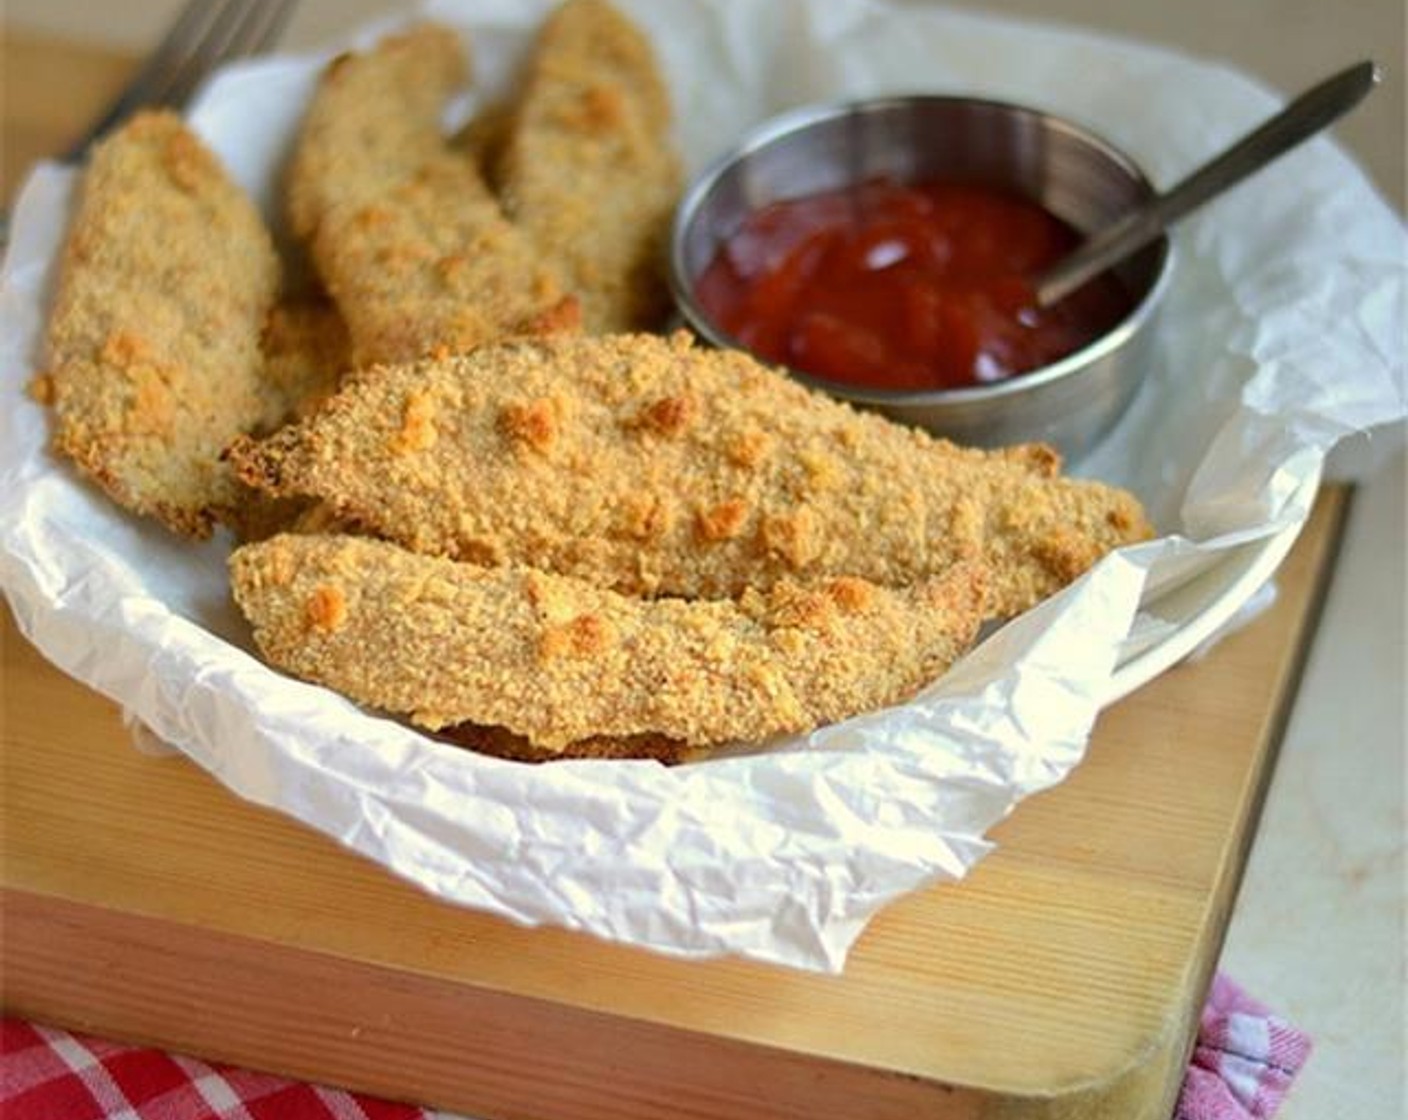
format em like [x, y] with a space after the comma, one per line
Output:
[787, 123]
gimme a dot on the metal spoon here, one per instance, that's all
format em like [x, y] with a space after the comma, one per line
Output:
[1298, 121]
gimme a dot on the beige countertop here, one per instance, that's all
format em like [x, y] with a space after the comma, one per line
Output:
[1318, 931]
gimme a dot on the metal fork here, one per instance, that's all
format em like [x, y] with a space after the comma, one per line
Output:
[205, 34]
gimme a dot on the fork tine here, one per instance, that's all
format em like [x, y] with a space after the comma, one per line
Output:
[204, 34]
[238, 28]
[222, 40]
[183, 30]
[265, 31]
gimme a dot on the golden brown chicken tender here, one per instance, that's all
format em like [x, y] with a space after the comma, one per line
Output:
[558, 661]
[402, 230]
[152, 353]
[432, 267]
[587, 168]
[306, 352]
[374, 119]
[657, 467]
[502, 743]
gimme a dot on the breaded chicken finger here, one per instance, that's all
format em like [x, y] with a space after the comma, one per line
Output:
[153, 359]
[402, 230]
[432, 267]
[374, 119]
[558, 661]
[587, 169]
[657, 467]
[502, 743]
[305, 354]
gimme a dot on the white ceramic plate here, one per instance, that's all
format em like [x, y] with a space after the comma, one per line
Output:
[1204, 605]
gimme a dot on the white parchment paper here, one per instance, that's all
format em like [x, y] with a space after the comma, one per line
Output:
[1283, 333]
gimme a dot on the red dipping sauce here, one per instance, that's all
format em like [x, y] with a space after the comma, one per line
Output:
[903, 287]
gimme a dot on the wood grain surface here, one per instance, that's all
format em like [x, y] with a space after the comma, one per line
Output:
[144, 901]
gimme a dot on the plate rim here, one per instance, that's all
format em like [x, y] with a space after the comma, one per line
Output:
[1245, 568]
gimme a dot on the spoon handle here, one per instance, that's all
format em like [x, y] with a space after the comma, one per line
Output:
[1298, 121]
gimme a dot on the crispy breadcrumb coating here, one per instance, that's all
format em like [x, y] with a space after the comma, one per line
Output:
[152, 354]
[402, 230]
[374, 119]
[657, 467]
[432, 267]
[484, 137]
[559, 661]
[306, 352]
[503, 743]
[587, 168]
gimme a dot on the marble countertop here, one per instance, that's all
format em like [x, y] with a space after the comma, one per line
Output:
[1318, 931]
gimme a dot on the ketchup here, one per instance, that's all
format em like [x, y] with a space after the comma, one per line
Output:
[903, 287]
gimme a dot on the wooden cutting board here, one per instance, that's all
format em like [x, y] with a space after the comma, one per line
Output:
[1062, 979]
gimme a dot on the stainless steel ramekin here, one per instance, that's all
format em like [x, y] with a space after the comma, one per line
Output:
[1074, 174]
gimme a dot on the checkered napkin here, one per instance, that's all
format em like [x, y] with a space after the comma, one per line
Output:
[1244, 1060]
[53, 1075]
[1243, 1063]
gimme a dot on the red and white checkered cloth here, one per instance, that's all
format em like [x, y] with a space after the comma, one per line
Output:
[48, 1074]
[1244, 1060]
[1243, 1063]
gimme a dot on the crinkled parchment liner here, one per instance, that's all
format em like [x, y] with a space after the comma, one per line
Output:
[1280, 336]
